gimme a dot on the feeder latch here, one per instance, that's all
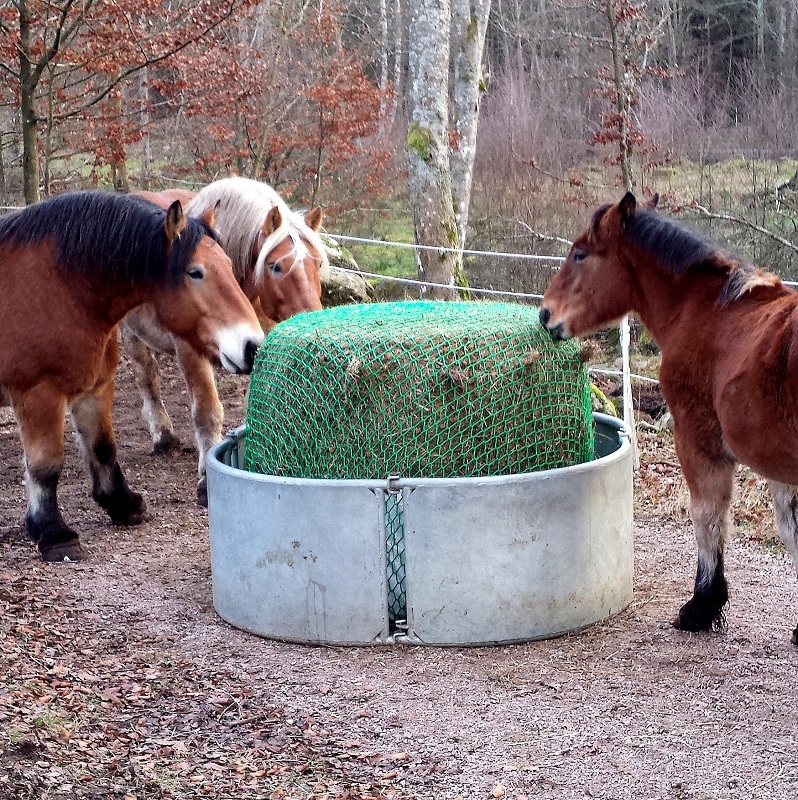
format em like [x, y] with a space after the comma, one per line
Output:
[391, 484]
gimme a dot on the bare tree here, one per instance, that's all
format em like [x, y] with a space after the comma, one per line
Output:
[469, 24]
[427, 145]
[441, 154]
[121, 44]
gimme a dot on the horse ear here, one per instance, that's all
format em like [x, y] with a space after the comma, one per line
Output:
[627, 208]
[175, 221]
[313, 218]
[654, 201]
[274, 219]
[209, 216]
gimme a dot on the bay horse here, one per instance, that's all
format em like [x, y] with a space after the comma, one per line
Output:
[71, 268]
[278, 259]
[728, 334]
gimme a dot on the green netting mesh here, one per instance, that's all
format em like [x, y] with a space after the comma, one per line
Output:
[417, 389]
[395, 555]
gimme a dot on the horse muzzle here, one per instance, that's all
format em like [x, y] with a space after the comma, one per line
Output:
[559, 331]
[238, 347]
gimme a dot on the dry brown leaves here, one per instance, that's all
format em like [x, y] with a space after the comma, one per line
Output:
[78, 722]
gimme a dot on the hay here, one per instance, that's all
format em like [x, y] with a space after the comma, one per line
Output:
[417, 389]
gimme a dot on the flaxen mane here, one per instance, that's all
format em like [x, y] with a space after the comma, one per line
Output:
[101, 234]
[243, 205]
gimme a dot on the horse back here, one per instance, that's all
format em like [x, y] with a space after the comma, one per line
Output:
[168, 196]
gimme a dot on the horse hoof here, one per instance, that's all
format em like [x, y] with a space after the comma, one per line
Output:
[69, 550]
[794, 639]
[698, 619]
[202, 493]
[167, 445]
[133, 512]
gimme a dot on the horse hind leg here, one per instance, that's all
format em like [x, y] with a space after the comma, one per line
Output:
[206, 408]
[147, 377]
[40, 415]
[710, 484]
[785, 508]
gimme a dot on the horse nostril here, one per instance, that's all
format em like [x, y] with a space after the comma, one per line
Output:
[544, 315]
[250, 350]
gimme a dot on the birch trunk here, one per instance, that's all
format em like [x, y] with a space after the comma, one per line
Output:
[398, 54]
[144, 121]
[427, 145]
[469, 25]
[383, 63]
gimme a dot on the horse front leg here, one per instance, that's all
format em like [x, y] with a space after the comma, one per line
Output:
[709, 473]
[785, 508]
[147, 377]
[206, 408]
[40, 416]
[91, 417]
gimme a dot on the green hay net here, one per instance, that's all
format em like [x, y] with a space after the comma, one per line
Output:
[417, 389]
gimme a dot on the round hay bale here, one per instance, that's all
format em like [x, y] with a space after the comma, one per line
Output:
[417, 389]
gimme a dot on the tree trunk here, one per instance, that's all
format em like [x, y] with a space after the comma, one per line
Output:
[27, 112]
[760, 45]
[383, 63]
[469, 24]
[398, 55]
[624, 147]
[427, 145]
[144, 121]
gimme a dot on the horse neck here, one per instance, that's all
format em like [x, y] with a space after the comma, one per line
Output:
[666, 303]
[107, 302]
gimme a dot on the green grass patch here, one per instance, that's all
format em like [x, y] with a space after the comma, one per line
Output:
[389, 224]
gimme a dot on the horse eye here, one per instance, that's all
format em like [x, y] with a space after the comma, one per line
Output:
[196, 273]
[579, 255]
[275, 268]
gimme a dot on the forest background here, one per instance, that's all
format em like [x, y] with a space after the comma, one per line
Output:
[694, 99]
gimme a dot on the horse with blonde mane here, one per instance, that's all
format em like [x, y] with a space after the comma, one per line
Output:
[728, 335]
[278, 260]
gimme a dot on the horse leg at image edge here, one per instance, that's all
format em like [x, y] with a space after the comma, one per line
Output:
[40, 415]
[148, 380]
[709, 479]
[91, 416]
[206, 408]
[785, 508]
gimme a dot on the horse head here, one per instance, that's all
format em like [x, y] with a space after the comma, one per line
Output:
[206, 307]
[595, 285]
[289, 262]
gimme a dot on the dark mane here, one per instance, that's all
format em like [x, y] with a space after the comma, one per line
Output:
[101, 234]
[680, 250]
[676, 248]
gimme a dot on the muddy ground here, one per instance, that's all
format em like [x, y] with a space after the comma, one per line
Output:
[119, 680]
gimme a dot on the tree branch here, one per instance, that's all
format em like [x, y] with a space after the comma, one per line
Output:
[706, 213]
[545, 237]
[231, 6]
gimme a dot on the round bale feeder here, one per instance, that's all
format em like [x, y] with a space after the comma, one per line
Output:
[421, 472]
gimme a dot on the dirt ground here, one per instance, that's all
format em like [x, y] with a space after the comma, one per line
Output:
[119, 681]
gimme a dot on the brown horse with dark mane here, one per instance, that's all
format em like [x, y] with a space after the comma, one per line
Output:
[70, 269]
[728, 333]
